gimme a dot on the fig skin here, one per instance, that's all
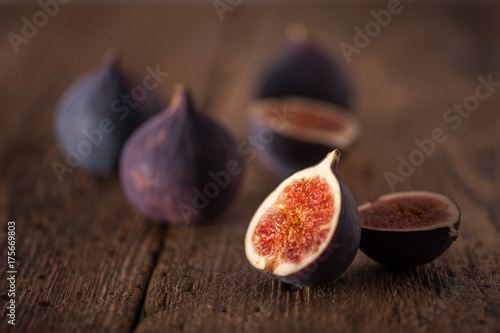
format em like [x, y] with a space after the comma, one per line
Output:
[393, 248]
[342, 247]
[305, 70]
[169, 161]
[302, 74]
[92, 100]
[286, 154]
[406, 249]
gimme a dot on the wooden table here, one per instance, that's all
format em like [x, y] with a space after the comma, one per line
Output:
[87, 262]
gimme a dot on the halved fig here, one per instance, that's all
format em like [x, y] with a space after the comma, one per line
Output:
[307, 231]
[408, 229]
[299, 131]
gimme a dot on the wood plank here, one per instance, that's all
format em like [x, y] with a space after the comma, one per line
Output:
[404, 80]
[84, 255]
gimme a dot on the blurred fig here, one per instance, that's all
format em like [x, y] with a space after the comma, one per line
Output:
[304, 70]
[301, 108]
[296, 132]
[307, 231]
[97, 114]
[407, 229]
[181, 166]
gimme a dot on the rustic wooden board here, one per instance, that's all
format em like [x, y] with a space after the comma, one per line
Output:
[199, 287]
[84, 255]
[90, 263]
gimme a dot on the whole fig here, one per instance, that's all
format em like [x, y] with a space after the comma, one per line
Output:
[304, 70]
[97, 114]
[181, 166]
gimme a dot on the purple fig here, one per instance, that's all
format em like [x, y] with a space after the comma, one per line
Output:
[304, 70]
[408, 229]
[301, 107]
[307, 231]
[299, 131]
[93, 120]
[181, 166]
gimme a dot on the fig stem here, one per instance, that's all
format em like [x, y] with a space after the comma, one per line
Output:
[182, 99]
[453, 233]
[179, 91]
[111, 56]
[297, 33]
[336, 158]
[331, 160]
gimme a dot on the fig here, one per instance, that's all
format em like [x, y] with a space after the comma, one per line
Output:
[408, 229]
[301, 109]
[97, 114]
[304, 70]
[297, 132]
[181, 166]
[307, 231]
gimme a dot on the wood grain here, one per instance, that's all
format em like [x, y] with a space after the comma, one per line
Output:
[84, 255]
[88, 262]
[406, 97]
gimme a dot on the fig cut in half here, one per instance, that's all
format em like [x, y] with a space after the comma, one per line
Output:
[307, 231]
[408, 229]
[301, 131]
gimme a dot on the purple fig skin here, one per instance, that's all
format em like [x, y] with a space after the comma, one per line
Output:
[284, 156]
[406, 249]
[96, 98]
[305, 70]
[168, 163]
[286, 151]
[341, 251]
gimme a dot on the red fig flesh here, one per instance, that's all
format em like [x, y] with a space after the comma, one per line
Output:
[307, 231]
[408, 228]
[303, 131]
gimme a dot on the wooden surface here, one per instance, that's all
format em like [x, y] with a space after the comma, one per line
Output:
[88, 262]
